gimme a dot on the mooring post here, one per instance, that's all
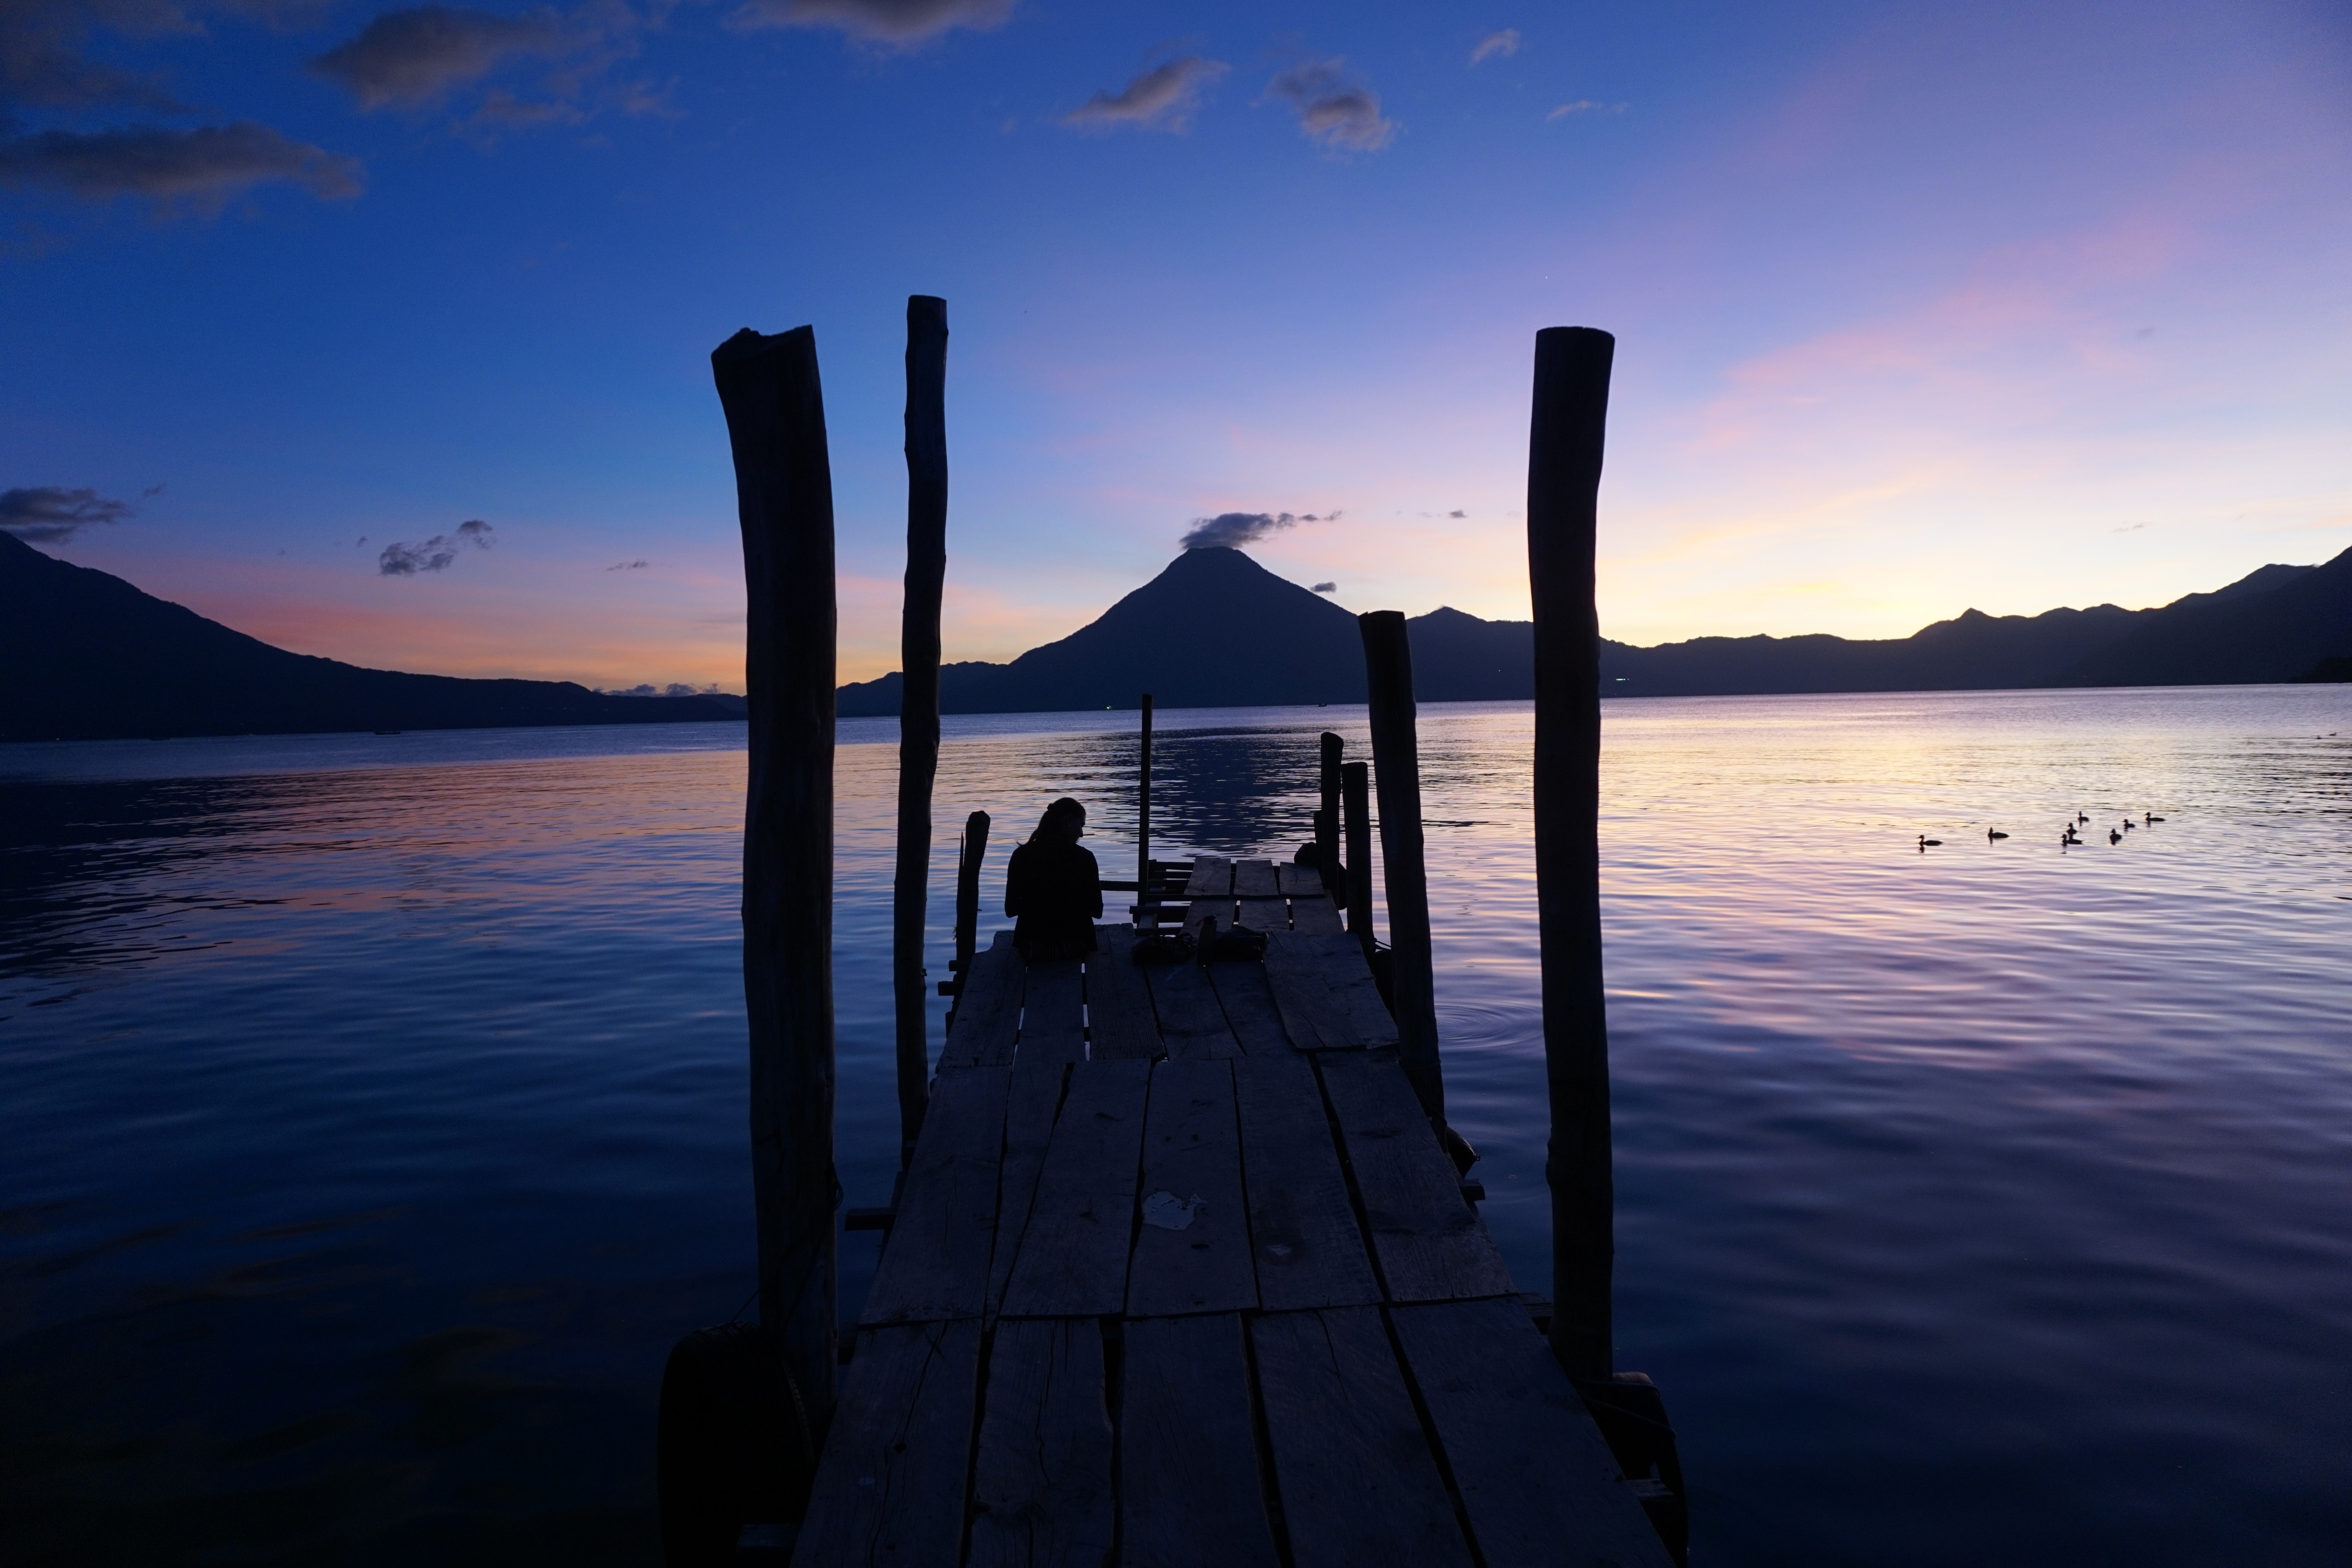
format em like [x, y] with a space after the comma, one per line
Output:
[1356, 792]
[1396, 766]
[783, 490]
[1564, 451]
[1148, 905]
[1327, 818]
[919, 702]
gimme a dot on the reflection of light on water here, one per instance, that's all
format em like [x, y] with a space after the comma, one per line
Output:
[1907, 1144]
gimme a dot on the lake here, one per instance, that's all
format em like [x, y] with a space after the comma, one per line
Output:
[374, 1112]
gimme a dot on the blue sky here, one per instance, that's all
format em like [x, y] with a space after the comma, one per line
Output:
[1919, 307]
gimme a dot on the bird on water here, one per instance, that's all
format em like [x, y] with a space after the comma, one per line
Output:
[1926, 843]
[2153, 817]
[2082, 816]
[2114, 837]
[1995, 833]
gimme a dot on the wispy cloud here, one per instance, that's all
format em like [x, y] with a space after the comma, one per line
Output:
[1160, 98]
[1586, 106]
[1333, 107]
[412, 57]
[899, 23]
[1326, 589]
[435, 555]
[638, 565]
[45, 513]
[1502, 45]
[46, 68]
[1232, 529]
[205, 165]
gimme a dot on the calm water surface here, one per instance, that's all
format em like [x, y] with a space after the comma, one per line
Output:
[372, 1116]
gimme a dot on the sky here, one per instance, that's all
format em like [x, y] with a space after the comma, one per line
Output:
[384, 334]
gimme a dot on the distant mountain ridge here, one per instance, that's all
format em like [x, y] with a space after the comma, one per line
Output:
[1216, 629]
[84, 656]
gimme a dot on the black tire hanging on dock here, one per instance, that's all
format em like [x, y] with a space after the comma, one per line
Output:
[731, 1445]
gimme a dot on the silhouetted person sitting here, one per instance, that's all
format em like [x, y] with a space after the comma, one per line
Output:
[1053, 889]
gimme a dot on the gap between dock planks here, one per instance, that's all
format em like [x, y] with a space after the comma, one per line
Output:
[1192, 1251]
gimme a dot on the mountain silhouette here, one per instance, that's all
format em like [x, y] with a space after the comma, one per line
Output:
[85, 656]
[1216, 629]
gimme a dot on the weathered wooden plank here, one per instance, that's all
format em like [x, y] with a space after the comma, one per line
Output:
[1119, 1021]
[1326, 995]
[1193, 1249]
[1052, 1012]
[1189, 1489]
[1263, 914]
[1298, 881]
[1242, 993]
[935, 1263]
[890, 1486]
[1032, 1104]
[1201, 909]
[1359, 1485]
[988, 1008]
[1319, 915]
[1255, 879]
[1213, 876]
[1533, 1473]
[1191, 1024]
[1042, 1477]
[1304, 1237]
[1431, 1244]
[1073, 1257]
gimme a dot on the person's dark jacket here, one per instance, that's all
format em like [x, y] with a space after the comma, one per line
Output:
[1053, 892]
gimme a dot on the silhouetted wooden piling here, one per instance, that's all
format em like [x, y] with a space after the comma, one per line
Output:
[918, 702]
[967, 912]
[1356, 797]
[784, 488]
[1396, 765]
[1327, 818]
[1564, 453]
[1143, 878]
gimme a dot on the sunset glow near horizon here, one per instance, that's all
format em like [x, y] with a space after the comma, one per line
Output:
[1917, 309]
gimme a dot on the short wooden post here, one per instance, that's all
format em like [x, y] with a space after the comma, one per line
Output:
[1396, 767]
[1356, 793]
[1327, 819]
[1146, 901]
[783, 490]
[967, 915]
[918, 702]
[1564, 452]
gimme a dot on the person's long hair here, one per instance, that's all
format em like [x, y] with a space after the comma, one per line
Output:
[1048, 829]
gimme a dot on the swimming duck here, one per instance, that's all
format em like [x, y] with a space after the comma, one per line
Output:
[2114, 837]
[1926, 843]
[1995, 833]
[2153, 817]
[2082, 816]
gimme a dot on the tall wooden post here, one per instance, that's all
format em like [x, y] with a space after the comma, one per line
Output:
[1356, 793]
[1327, 818]
[1564, 450]
[1396, 768]
[783, 490]
[919, 703]
[967, 912]
[1143, 894]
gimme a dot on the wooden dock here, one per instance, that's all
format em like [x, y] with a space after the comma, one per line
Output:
[1180, 1277]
